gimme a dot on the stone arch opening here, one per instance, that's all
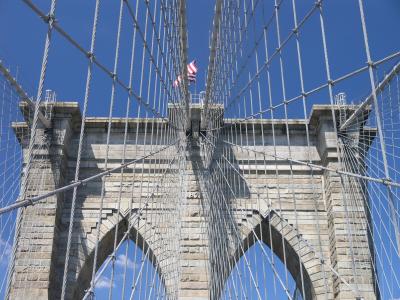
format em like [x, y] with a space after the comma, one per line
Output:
[284, 246]
[258, 278]
[106, 246]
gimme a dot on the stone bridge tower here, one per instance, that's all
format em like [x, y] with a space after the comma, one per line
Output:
[263, 204]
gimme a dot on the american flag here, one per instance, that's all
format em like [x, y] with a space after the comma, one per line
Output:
[191, 73]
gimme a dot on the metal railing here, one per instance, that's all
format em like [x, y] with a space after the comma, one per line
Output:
[198, 98]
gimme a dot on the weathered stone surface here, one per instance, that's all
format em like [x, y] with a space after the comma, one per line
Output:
[276, 200]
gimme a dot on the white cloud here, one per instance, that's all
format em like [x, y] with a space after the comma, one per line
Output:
[104, 282]
[122, 259]
[5, 245]
[5, 251]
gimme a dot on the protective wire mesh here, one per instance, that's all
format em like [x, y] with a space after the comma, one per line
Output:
[268, 186]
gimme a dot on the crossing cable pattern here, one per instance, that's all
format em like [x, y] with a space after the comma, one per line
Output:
[11, 163]
[17, 117]
[246, 145]
[159, 46]
[263, 166]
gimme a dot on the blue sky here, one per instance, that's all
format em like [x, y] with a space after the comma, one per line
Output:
[21, 45]
[22, 38]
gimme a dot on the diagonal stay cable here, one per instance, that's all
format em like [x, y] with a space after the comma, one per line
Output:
[309, 92]
[134, 18]
[383, 181]
[267, 63]
[213, 50]
[142, 207]
[301, 238]
[92, 57]
[27, 202]
[22, 94]
[363, 106]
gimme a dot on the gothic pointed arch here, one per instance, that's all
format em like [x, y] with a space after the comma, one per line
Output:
[83, 249]
[286, 243]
